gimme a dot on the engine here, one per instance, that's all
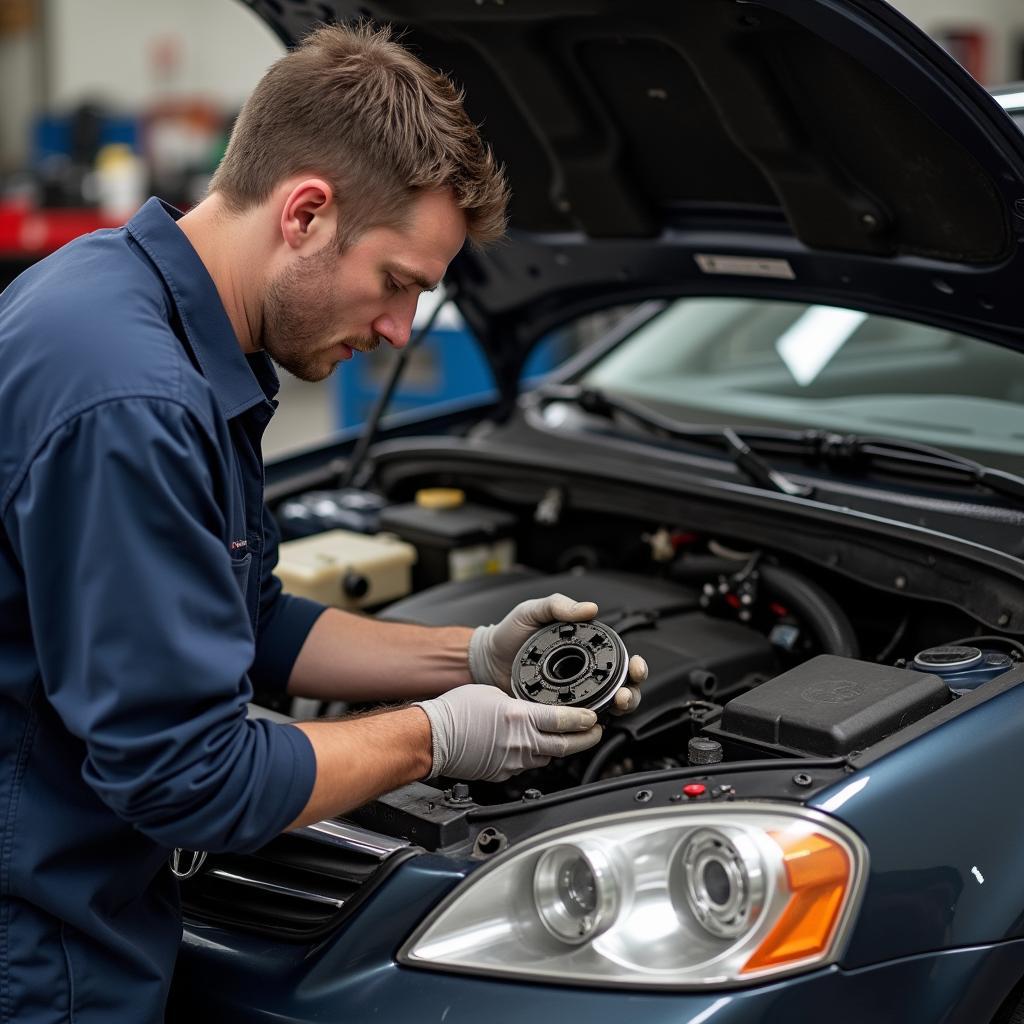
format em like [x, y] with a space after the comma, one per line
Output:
[750, 655]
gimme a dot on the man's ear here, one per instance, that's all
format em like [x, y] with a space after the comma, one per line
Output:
[309, 215]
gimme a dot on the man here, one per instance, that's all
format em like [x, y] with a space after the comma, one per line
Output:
[137, 605]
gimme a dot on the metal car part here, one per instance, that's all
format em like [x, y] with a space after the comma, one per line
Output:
[351, 837]
[276, 888]
[570, 664]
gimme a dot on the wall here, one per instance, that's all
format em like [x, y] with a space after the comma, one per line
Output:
[103, 48]
[1001, 20]
[18, 56]
[225, 47]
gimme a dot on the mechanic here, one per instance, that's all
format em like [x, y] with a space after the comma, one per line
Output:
[137, 603]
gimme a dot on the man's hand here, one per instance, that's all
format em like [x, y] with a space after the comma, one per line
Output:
[492, 648]
[479, 733]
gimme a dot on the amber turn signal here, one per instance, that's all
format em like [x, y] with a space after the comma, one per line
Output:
[818, 874]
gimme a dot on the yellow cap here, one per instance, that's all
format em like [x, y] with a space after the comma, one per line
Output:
[440, 497]
[113, 154]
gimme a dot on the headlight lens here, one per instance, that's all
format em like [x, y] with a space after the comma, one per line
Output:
[721, 877]
[575, 891]
[687, 897]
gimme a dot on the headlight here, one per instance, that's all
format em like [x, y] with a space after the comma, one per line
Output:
[721, 878]
[687, 897]
[575, 891]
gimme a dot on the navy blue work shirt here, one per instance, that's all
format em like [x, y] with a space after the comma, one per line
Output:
[137, 610]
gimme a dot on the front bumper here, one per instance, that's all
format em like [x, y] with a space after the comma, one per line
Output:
[226, 978]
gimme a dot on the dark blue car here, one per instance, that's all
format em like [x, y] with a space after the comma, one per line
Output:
[790, 470]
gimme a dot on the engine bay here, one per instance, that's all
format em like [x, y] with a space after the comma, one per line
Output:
[753, 653]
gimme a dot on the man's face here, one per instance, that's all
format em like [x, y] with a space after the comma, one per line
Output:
[319, 309]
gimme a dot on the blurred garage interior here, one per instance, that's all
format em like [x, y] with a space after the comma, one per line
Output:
[110, 101]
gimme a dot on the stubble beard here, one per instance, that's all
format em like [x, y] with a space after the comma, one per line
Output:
[296, 320]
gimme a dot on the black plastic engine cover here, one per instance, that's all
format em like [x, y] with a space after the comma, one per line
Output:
[487, 599]
[831, 706]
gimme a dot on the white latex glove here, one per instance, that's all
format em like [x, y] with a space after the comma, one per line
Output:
[478, 732]
[492, 648]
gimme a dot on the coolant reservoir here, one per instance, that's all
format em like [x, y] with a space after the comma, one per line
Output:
[345, 569]
[963, 667]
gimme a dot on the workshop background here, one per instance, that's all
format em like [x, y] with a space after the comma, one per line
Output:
[105, 102]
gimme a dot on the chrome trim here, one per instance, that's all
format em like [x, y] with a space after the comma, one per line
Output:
[281, 890]
[185, 864]
[352, 837]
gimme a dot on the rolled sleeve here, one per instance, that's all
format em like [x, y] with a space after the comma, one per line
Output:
[284, 620]
[143, 637]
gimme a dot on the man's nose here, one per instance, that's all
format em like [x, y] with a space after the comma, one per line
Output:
[395, 326]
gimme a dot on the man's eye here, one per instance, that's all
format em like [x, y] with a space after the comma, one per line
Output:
[391, 284]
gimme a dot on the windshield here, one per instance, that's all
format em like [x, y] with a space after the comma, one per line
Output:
[733, 360]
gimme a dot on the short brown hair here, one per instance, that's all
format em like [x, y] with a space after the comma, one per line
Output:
[354, 107]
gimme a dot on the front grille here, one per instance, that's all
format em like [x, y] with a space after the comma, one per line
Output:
[299, 886]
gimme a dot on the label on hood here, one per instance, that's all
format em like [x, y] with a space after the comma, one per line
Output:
[745, 266]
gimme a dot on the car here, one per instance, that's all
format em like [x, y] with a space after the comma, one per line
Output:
[790, 473]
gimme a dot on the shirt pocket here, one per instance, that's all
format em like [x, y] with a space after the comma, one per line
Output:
[240, 569]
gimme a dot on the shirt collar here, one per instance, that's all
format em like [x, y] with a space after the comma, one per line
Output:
[238, 381]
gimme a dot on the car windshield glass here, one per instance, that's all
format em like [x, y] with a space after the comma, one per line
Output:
[742, 361]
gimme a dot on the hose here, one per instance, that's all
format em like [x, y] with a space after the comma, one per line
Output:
[1016, 645]
[603, 756]
[808, 601]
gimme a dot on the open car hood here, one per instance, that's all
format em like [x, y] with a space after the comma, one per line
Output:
[818, 150]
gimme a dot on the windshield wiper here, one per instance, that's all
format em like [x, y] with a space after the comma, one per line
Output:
[909, 458]
[725, 439]
[758, 470]
[844, 452]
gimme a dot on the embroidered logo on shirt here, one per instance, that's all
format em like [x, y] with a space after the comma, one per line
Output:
[238, 546]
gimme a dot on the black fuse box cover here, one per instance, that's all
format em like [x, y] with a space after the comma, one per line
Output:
[832, 706]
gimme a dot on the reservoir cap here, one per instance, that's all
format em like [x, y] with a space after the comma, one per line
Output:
[440, 497]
